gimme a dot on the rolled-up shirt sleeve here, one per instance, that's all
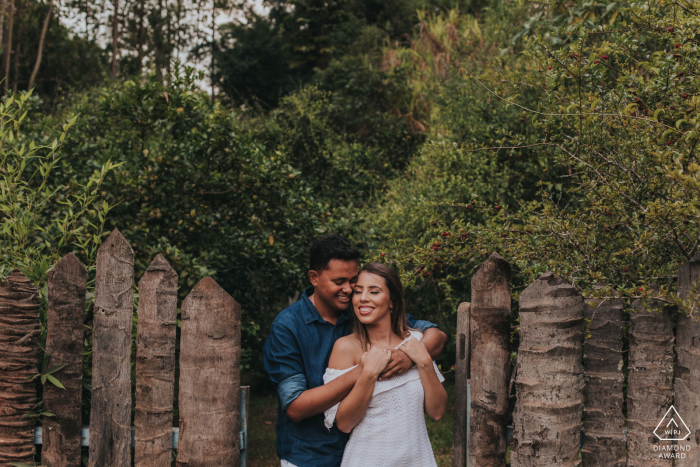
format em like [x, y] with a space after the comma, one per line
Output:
[284, 364]
[420, 324]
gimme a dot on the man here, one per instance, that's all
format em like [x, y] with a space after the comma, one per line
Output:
[297, 350]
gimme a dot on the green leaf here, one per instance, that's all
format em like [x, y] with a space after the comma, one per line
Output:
[55, 382]
[628, 109]
[54, 369]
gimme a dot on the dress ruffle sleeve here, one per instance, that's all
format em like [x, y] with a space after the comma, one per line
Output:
[328, 376]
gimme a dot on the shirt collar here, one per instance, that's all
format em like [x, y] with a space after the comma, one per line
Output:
[311, 313]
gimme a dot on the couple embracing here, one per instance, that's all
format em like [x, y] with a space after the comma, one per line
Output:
[354, 372]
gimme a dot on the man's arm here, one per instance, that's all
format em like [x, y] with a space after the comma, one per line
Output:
[317, 400]
[434, 341]
[285, 367]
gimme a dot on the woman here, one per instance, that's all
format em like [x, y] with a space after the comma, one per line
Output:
[385, 418]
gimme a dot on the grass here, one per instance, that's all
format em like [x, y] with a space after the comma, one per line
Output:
[263, 415]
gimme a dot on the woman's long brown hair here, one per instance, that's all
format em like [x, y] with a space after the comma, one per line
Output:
[399, 324]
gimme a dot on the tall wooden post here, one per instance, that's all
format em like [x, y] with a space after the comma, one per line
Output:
[686, 386]
[210, 378]
[64, 342]
[650, 382]
[490, 363]
[155, 365]
[459, 429]
[604, 443]
[19, 329]
[110, 417]
[547, 417]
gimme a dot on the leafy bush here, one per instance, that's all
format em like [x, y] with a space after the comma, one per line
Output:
[618, 118]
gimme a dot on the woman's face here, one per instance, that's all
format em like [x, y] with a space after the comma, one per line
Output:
[371, 300]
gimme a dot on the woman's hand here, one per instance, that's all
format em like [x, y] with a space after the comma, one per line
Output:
[374, 361]
[416, 351]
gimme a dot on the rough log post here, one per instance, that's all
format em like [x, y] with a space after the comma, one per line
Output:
[459, 430]
[210, 378]
[155, 365]
[19, 329]
[64, 342]
[650, 383]
[549, 383]
[490, 363]
[110, 418]
[604, 443]
[687, 383]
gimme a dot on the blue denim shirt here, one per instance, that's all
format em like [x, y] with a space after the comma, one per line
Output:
[296, 355]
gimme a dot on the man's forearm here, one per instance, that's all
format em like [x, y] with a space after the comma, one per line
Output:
[434, 341]
[317, 400]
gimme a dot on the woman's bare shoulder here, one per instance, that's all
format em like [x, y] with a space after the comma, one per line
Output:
[346, 353]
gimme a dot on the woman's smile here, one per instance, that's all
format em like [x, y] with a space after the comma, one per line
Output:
[365, 310]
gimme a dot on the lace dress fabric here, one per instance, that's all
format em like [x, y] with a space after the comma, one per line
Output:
[392, 433]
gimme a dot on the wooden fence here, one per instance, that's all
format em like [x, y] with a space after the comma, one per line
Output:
[212, 405]
[558, 368]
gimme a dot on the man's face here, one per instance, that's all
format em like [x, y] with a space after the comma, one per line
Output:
[334, 284]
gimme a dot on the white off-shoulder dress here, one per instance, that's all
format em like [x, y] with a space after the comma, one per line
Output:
[392, 433]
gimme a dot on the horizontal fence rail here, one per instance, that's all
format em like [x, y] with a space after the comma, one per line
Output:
[243, 436]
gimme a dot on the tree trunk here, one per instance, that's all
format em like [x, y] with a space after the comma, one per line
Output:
[115, 38]
[8, 44]
[17, 54]
[40, 50]
[459, 427]
[687, 383]
[155, 365]
[490, 363]
[158, 42]
[3, 13]
[604, 443]
[142, 14]
[19, 329]
[650, 383]
[110, 417]
[210, 378]
[213, 45]
[64, 342]
[547, 417]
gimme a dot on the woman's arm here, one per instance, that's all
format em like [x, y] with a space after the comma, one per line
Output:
[435, 394]
[353, 407]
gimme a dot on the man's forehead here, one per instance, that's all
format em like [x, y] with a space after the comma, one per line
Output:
[342, 269]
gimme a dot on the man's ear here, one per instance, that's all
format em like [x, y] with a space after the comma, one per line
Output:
[313, 277]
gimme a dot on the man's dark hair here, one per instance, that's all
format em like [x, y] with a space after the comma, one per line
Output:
[328, 247]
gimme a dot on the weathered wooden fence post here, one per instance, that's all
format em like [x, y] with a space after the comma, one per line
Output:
[19, 329]
[687, 383]
[490, 363]
[459, 429]
[155, 365]
[64, 343]
[110, 418]
[549, 382]
[210, 355]
[604, 443]
[650, 382]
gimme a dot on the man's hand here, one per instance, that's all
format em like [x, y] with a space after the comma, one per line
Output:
[398, 364]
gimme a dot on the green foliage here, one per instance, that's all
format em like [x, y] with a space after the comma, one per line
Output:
[617, 117]
[222, 193]
[260, 59]
[43, 220]
[70, 63]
